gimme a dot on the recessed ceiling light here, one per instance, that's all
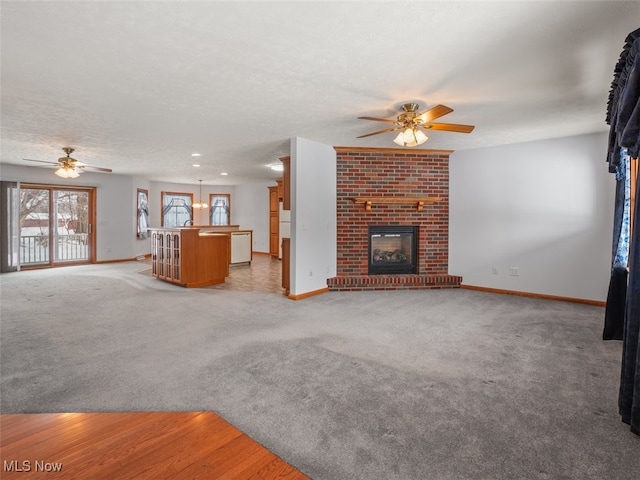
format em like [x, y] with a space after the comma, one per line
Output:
[196, 164]
[224, 173]
[277, 167]
[195, 154]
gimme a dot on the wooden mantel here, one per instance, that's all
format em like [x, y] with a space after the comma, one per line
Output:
[418, 201]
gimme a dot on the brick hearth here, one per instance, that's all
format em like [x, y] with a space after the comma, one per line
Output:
[392, 173]
[393, 282]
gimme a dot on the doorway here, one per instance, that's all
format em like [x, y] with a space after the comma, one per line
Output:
[56, 226]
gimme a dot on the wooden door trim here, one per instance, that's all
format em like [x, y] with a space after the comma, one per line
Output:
[92, 193]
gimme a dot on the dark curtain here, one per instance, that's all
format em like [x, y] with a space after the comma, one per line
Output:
[629, 399]
[616, 303]
[623, 307]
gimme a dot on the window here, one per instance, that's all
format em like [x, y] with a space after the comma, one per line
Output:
[176, 209]
[629, 175]
[142, 213]
[220, 209]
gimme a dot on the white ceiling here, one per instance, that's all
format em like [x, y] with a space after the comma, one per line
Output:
[139, 86]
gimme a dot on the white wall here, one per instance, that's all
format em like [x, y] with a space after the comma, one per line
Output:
[251, 211]
[313, 215]
[545, 208]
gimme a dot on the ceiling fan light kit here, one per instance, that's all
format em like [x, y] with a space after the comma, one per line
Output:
[410, 123]
[67, 172]
[410, 137]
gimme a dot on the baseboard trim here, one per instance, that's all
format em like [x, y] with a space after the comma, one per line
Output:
[308, 294]
[596, 303]
[117, 260]
[147, 256]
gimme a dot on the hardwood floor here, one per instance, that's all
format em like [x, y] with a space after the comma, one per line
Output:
[151, 445]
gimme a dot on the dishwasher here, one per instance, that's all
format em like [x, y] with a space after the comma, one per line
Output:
[241, 247]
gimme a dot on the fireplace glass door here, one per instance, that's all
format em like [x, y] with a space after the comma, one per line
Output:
[392, 249]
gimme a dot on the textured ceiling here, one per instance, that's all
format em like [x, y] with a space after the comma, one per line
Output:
[139, 86]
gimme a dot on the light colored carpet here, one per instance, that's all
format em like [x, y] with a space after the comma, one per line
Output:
[443, 384]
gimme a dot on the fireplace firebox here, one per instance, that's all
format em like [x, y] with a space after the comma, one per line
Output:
[393, 249]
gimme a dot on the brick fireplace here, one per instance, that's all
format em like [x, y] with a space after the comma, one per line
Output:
[392, 187]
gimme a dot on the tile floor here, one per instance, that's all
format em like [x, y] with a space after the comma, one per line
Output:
[263, 275]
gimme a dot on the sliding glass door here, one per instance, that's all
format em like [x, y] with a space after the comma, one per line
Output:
[55, 225]
[34, 226]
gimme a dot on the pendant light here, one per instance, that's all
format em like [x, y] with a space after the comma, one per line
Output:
[200, 205]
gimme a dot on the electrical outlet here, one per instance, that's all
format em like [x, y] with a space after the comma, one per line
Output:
[514, 271]
[494, 270]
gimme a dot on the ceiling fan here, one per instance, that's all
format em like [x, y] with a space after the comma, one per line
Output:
[411, 123]
[68, 167]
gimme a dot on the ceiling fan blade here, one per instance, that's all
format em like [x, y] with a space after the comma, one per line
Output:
[385, 120]
[69, 163]
[450, 127]
[41, 161]
[100, 169]
[433, 113]
[380, 131]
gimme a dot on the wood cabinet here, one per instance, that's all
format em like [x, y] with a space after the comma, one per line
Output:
[286, 265]
[280, 183]
[186, 257]
[274, 222]
[286, 183]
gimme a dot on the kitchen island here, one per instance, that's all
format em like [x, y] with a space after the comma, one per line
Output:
[197, 256]
[241, 248]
